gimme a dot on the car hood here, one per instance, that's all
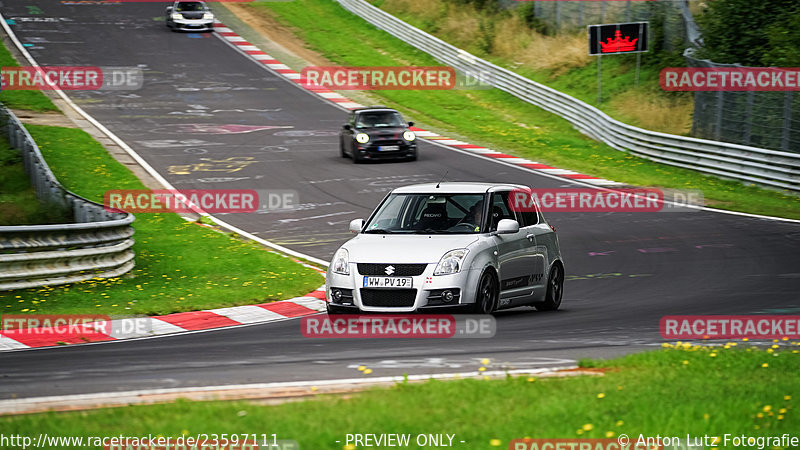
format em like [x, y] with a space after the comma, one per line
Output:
[192, 14]
[391, 132]
[415, 248]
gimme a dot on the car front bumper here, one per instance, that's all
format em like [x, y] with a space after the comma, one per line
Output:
[192, 25]
[374, 151]
[427, 292]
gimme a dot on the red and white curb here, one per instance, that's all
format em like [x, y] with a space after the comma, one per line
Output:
[283, 70]
[120, 329]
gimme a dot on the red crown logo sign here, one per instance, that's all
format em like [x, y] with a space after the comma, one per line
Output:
[618, 44]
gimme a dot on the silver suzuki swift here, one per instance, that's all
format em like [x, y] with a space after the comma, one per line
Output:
[479, 246]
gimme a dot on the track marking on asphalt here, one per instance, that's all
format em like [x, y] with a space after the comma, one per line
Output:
[241, 391]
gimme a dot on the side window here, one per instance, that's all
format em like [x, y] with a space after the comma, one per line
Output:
[352, 120]
[499, 209]
[529, 217]
[526, 211]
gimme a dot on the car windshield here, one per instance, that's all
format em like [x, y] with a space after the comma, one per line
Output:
[190, 6]
[429, 214]
[379, 119]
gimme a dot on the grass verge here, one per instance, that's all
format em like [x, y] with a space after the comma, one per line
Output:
[499, 120]
[18, 202]
[560, 60]
[29, 100]
[180, 266]
[675, 391]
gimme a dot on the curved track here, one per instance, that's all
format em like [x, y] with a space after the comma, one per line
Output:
[626, 270]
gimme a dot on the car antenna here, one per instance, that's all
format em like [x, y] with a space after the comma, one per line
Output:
[440, 181]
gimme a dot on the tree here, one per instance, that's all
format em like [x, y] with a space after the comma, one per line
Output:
[751, 33]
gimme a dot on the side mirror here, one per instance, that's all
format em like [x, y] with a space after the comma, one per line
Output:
[169, 8]
[507, 226]
[346, 126]
[411, 124]
[357, 224]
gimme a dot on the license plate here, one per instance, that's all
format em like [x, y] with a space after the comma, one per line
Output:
[388, 282]
[388, 148]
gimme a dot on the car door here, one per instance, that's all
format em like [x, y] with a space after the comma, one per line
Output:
[535, 230]
[514, 255]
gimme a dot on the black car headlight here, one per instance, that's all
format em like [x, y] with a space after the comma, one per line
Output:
[362, 138]
[409, 135]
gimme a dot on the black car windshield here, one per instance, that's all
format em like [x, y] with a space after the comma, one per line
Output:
[429, 214]
[379, 119]
[190, 6]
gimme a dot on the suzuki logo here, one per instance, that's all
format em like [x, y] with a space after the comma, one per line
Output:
[389, 270]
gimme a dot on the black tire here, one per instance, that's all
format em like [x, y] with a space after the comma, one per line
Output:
[356, 159]
[341, 148]
[487, 293]
[555, 290]
[412, 158]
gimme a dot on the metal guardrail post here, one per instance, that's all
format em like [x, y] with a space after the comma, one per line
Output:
[97, 245]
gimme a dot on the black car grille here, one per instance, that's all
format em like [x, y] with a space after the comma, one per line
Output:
[388, 142]
[388, 297]
[400, 270]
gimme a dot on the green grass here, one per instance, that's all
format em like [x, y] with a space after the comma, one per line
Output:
[180, 266]
[501, 121]
[18, 202]
[30, 100]
[669, 392]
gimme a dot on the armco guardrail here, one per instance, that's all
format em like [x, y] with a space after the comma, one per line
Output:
[97, 244]
[749, 164]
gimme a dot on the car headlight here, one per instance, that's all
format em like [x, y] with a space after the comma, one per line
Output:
[362, 138]
[409, 136]
[177, 16]
[341, 262]
[451, 262]
[208, 16]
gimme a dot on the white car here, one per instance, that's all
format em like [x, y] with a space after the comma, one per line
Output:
[449, 244]
[190, 15]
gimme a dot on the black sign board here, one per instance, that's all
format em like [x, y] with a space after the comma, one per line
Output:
[615, 38]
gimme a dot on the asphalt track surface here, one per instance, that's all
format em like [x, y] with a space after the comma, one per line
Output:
[625, 270]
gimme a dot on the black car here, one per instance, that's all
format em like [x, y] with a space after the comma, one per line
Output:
[375, 133]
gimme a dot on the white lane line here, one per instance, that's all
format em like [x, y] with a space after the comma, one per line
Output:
[21, 405]
[316, 217]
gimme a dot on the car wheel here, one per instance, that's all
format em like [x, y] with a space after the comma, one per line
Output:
[486, 296]
[413, 157]
[341, 148]
[555, 290]
[356, 159]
